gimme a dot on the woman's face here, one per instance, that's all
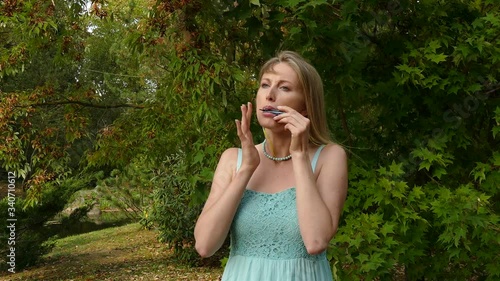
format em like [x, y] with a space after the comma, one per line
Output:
[279, 86]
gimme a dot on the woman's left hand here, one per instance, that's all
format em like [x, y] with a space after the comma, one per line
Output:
[298, 125]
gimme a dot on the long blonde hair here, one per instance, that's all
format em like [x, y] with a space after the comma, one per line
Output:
[312, 87]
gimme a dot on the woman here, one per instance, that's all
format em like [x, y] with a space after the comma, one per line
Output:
[281, 199]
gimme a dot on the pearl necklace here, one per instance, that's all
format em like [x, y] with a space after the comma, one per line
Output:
[272, 157]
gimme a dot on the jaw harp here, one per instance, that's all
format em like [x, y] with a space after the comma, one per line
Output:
[275, 112]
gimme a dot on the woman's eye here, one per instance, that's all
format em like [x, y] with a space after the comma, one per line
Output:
[286, 89]
[264, 85]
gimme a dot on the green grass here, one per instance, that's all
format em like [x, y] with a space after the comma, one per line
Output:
[127, 252]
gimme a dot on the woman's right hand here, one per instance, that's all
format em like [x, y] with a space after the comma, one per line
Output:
[251, 158]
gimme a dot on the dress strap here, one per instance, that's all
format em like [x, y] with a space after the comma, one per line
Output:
[316, 156]
[238, 163]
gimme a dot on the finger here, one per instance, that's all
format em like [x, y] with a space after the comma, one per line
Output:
[247, 115]
[244, 134]
[296, 120]
[291, 111]
[249, 111]
[238, 128]
[285, 108]
[288, 111]
[244, 117]
[294, 130]
[296, 127]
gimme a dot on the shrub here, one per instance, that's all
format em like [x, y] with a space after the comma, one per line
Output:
[128, 189]
[172, 210]
[32, 238]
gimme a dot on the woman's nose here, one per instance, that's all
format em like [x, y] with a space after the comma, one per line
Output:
[271, 94]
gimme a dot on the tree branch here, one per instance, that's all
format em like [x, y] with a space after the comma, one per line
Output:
[343, 119]
[493, 90]
[87, 104]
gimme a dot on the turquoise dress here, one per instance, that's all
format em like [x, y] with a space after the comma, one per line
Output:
[266, 244]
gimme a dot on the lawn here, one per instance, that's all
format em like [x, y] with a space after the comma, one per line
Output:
[119, 253]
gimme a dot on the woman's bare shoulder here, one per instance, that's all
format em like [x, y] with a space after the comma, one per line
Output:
[228, 159]
[229, 154]
[332, 156]
[335, 149]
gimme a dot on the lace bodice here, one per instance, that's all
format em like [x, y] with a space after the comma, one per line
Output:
[266, 244]
[266, 226]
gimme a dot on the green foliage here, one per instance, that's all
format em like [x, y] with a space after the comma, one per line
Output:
[32, 239]
[128, 189]
[384, 224]
[174, 211]
[42, 117]
[433, 137]
[429, 230]
[147, 93]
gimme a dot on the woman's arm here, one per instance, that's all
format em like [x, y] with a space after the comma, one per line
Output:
[227, 189]
[320, 201]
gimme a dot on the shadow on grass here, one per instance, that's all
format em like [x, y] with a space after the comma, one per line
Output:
[69, 228]
[120, 253]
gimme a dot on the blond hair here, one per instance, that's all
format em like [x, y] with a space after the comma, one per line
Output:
[312, 87]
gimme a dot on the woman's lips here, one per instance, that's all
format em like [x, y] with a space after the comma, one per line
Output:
[272, 111]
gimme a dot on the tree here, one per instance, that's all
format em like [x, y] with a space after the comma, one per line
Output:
[411, 90]
[56, 96]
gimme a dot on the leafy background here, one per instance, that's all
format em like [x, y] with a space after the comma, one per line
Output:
[141, 95]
